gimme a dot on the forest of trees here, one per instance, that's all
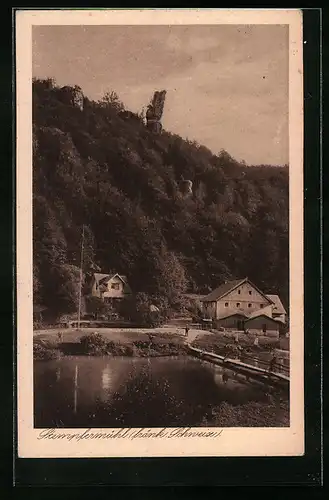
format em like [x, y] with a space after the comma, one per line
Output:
[100, 167]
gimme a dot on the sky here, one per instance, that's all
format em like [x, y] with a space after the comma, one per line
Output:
[227, 85]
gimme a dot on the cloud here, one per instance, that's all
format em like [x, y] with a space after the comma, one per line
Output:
[227, 86]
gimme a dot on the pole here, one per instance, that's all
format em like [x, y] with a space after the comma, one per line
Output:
[81, 275]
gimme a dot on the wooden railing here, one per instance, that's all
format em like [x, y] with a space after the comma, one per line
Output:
[265, 364]
[240, 365]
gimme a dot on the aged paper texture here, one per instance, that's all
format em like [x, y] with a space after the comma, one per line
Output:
[177, 205]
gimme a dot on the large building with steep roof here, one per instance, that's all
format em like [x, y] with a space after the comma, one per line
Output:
[240, 305]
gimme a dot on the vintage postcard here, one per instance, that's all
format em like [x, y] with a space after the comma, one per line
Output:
[159, 233]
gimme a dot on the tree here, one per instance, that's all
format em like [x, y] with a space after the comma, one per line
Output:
[103, 169]
[95, 306]
[61, 290]
[141, 310]
[112, 100]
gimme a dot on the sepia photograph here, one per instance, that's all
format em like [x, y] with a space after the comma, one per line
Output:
[160, 221]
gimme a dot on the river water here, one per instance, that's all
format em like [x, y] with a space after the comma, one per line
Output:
[105, 392]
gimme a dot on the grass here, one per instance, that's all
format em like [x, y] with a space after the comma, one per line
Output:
[135, 342]
[252, 414]
[47, 346]
[44, 350]
[93, 343]
[124, 336]
[218, 342]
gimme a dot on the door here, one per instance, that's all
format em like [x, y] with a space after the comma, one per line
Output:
[240, 324]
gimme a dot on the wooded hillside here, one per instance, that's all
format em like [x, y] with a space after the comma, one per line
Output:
[101, 167]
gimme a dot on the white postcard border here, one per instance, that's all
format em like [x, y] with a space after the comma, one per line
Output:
[232, 441]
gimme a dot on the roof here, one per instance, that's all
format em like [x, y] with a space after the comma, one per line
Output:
[232, 312]
[102, 278]
[222, 290]
[264, 316]
[265, 311]
[278, 306]
[227, 287]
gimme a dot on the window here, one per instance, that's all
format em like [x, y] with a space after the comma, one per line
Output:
[238, 304]
[261, 306]
[250, 292]
[115, 286]
[264, 328]
[226, 304]
[239, 291]
[249, 305]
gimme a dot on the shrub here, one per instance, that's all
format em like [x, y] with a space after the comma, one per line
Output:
[267, 344]
[94, 343]
[251, 414]
[44, 352]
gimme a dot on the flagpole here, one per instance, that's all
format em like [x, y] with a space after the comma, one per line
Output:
[81, 275]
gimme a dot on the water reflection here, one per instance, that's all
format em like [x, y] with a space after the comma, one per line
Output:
[106, 378]
[133, 392]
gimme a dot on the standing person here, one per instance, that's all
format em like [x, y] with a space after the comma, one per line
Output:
[186, 331]
[272, 362]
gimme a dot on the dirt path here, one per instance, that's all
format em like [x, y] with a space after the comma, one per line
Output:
[193, 334]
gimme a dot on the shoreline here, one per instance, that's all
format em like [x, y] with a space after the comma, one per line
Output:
[141, 343]
[95, 344]
[251, 414]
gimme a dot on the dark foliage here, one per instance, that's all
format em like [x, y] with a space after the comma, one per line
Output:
[101, 167]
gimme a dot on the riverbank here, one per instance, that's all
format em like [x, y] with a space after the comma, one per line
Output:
[95, 346]
[49, 344]
[219, 342]
[253, 414]
[139, 344]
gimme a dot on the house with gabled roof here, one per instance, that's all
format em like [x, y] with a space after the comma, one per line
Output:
[110, 286]
[237, 295]
[241, 305]
[278, 310]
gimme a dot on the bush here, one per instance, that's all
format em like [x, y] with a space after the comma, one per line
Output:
[268, 345]
[252, 414]
[44, 352]
[94, 343]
